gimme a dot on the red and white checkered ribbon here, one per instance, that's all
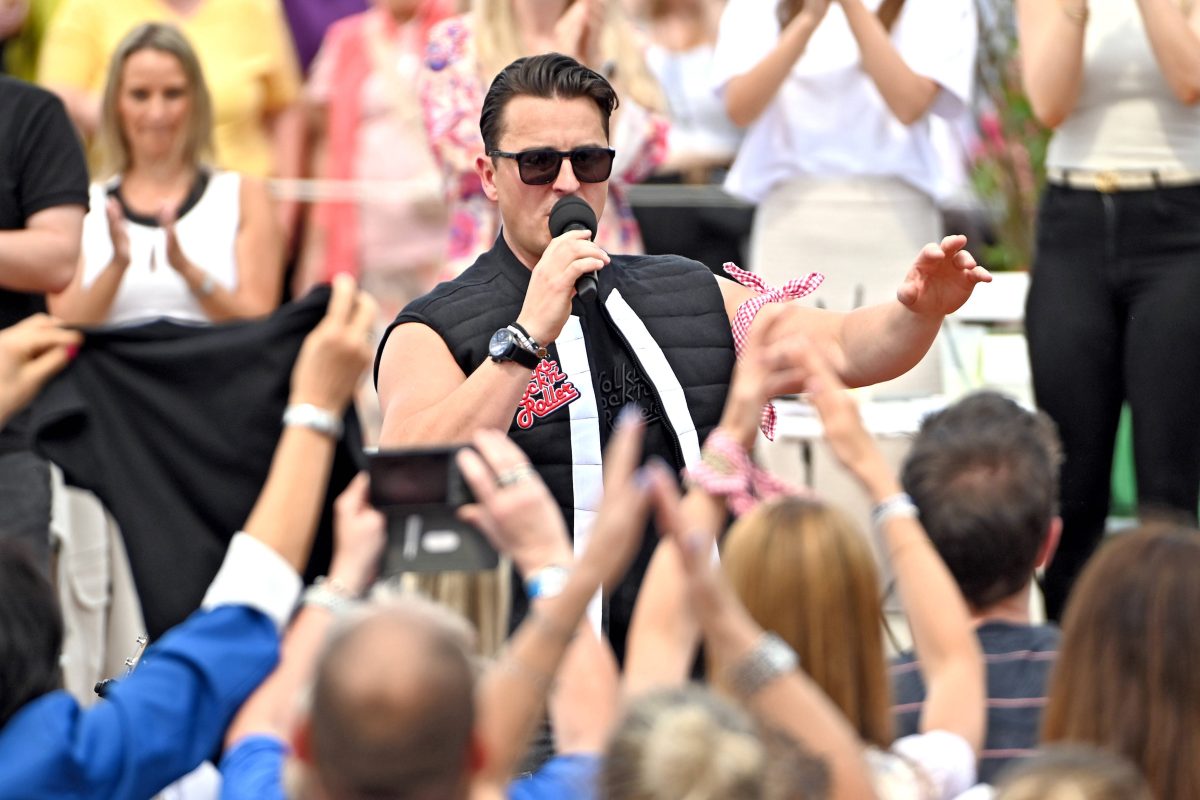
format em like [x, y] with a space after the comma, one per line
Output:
[726, 470]
[747, 311]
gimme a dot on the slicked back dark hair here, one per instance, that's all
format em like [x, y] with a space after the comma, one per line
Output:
[984, 476]
[31, 631]
[551, 76]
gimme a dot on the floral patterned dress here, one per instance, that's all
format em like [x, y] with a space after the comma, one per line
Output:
[451, 93]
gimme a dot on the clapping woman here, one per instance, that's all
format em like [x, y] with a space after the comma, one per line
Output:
[167, 235]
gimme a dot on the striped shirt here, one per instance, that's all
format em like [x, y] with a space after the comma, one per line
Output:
[1019, 659]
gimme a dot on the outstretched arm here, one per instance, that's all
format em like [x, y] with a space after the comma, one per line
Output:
[949, 654]
[879, 342]
[522, 521]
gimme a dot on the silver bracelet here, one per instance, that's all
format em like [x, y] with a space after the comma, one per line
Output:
[898, 505]
[330, 594]
[306, 415]
[770, 658]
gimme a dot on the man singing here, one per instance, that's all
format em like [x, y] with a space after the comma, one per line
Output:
[508, 345]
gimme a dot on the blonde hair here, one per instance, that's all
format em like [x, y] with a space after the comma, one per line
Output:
[1073, 772]
[684, 743]
[804, 571]
[113, 147]
[498, 43]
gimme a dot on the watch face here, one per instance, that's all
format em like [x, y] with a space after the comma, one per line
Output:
[501, 343]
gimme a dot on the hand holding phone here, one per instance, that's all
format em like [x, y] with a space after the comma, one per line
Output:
[419, 491]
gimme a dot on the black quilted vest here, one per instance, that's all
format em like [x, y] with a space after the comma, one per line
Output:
[680, 305]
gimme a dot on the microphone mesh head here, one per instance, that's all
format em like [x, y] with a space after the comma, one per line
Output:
[572, 211]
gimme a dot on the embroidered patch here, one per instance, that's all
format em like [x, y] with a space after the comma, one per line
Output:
[548, 391]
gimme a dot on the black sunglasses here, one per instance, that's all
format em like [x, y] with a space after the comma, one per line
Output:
[539, 167]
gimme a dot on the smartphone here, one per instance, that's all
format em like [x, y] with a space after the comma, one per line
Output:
[419, 490]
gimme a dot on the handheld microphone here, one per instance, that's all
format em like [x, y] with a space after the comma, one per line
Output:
[572, 213]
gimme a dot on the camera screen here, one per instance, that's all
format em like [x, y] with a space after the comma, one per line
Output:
[411, 479]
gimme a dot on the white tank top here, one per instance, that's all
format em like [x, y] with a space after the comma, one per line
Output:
[151, 289]
[1127, 117]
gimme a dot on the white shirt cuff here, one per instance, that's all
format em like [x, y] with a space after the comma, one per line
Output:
[254, 575]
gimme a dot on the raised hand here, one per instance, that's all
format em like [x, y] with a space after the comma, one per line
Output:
[31, 352]
[337, 351]
[358, 537]
[849, 439]
[520, 517]
[578, 31]
[942, 278]
[117, 232]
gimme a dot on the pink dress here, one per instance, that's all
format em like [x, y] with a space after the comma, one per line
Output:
[388, 217]
[452, 92]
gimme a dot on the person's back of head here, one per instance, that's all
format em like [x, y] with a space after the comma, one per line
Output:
[983, 474]
[805, 572]
[1073, 772]
[393, 708]
[689, 743]
[1126, 678]
[31, 631]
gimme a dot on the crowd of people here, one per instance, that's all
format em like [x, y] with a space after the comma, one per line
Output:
[669, 619]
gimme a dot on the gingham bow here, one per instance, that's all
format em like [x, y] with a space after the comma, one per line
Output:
[747, 311]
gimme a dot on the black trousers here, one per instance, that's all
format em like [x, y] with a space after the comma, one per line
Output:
[1113, 315]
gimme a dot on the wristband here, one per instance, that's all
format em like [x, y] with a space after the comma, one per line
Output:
[547, 582]
[898, 505]
[330, 594]
[207, 286]
[770, 658]
[306, 415]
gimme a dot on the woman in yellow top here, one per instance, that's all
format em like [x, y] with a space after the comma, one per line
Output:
[244, 49]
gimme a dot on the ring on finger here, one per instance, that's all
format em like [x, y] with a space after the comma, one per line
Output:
[515, 475]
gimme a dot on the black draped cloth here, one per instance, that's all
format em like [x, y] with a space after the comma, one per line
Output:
[173, 426]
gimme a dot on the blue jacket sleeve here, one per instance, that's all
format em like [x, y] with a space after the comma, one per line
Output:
[253, 769]
[156, 725]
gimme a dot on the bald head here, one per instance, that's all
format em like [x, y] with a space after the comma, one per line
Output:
[393, 709]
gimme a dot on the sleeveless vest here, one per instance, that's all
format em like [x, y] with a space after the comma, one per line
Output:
[666, 310]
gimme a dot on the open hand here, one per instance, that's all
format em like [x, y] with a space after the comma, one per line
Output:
[117, 232]
[942, 278]
[358, 537]
[520, 518]
[578, 31]
[175, 255]
[337, 351]
[844, 430]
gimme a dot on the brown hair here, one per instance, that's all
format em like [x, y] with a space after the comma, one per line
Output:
[984, 474]
[1126, 677]
[804, 571]
[888, 12]
[114, 149]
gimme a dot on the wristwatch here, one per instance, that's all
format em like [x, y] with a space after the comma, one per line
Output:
[506, 345]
